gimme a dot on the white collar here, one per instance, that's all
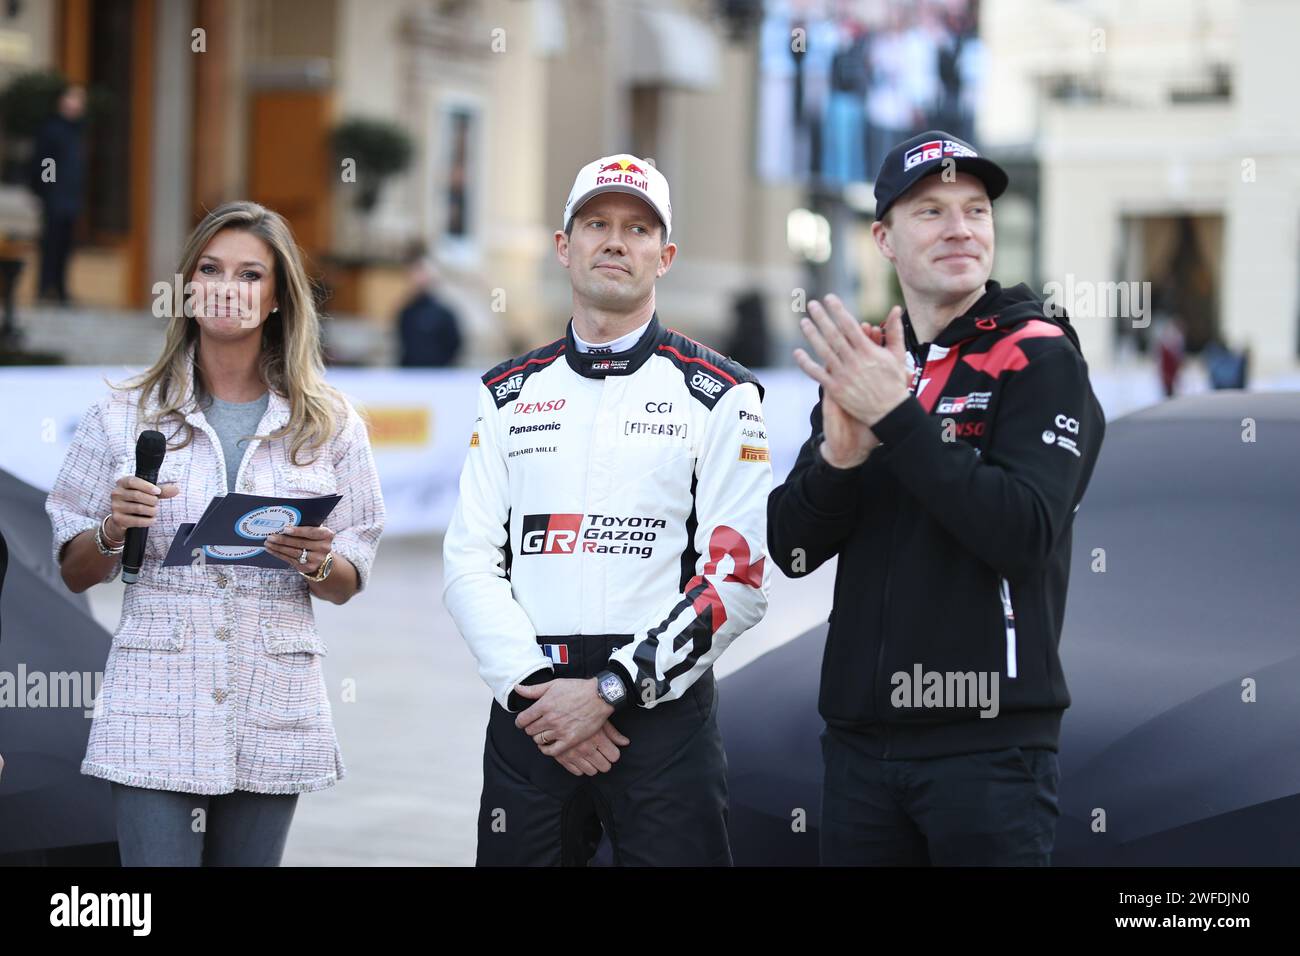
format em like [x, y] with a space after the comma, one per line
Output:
[620, 344]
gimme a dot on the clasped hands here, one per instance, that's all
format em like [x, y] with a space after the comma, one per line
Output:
[570, 722]
[863, 375]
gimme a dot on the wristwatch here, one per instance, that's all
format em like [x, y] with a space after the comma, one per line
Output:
[609, 687]
[323, 571]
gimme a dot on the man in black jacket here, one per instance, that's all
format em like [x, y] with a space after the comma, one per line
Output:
[949, 453]
[58, 178]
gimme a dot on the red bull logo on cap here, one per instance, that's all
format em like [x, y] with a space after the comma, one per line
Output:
[622, 171]
[934, 149]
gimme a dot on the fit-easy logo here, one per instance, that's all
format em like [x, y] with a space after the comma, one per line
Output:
[530, 408]
[951, 405]
[550, 534]
[706, 384]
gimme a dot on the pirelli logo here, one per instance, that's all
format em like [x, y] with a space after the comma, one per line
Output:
[473, 440]
[754, 453]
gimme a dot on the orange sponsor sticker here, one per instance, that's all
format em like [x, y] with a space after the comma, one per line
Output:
[754, 453]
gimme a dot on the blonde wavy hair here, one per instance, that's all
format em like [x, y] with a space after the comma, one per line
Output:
[290, 361]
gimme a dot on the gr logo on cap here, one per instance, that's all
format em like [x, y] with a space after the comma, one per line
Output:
[623, 173]
[926, 154]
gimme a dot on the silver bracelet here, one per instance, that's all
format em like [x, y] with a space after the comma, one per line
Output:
[101, 538]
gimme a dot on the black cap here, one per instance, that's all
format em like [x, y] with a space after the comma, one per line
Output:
[923, 155]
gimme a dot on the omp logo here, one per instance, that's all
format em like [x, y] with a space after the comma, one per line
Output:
[706, 384]
[102, 909]
[754, 453]
[513, 384]
[550, 534]
[530, 408]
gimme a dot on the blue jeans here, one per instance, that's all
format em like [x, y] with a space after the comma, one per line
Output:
[997, 808]
[160, 827]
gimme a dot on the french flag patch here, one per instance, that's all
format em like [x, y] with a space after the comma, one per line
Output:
[558, 653]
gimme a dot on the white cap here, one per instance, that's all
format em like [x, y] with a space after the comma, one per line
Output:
[623, 173]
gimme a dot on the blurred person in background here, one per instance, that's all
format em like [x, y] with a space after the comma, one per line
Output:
[1171, 350]
[58, 179]
[750, 343]
[428, 330]
[213, 698]
[948, 455]
[606, 548]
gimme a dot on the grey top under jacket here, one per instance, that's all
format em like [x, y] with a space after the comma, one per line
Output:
[233, 421]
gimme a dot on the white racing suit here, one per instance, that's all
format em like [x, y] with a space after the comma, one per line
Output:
[612, 516]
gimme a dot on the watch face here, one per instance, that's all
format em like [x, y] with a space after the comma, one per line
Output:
[612, 687]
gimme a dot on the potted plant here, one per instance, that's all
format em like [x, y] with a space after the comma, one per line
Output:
[378, 148]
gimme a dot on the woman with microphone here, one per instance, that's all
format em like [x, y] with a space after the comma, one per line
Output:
[214, 715]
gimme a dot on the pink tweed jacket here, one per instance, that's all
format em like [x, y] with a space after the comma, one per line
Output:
[213, 681]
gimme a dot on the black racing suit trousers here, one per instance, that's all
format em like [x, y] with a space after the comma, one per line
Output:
[663, 803]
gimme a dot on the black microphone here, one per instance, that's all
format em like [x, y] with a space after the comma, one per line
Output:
[150, 448]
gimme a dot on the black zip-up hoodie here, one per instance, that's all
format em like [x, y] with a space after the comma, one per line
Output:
[953, 538]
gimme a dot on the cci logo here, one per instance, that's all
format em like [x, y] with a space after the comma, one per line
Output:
[550, 534]
[1065, 423]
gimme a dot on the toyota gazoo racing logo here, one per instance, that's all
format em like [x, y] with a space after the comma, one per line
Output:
[513, 384]
[706, 384]
[589, 534]
[935, 149]
[952, 405]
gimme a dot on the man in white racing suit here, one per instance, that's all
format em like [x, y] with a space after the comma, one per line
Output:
[607, 546]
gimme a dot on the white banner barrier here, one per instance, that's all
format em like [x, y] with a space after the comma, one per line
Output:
[421, 422]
